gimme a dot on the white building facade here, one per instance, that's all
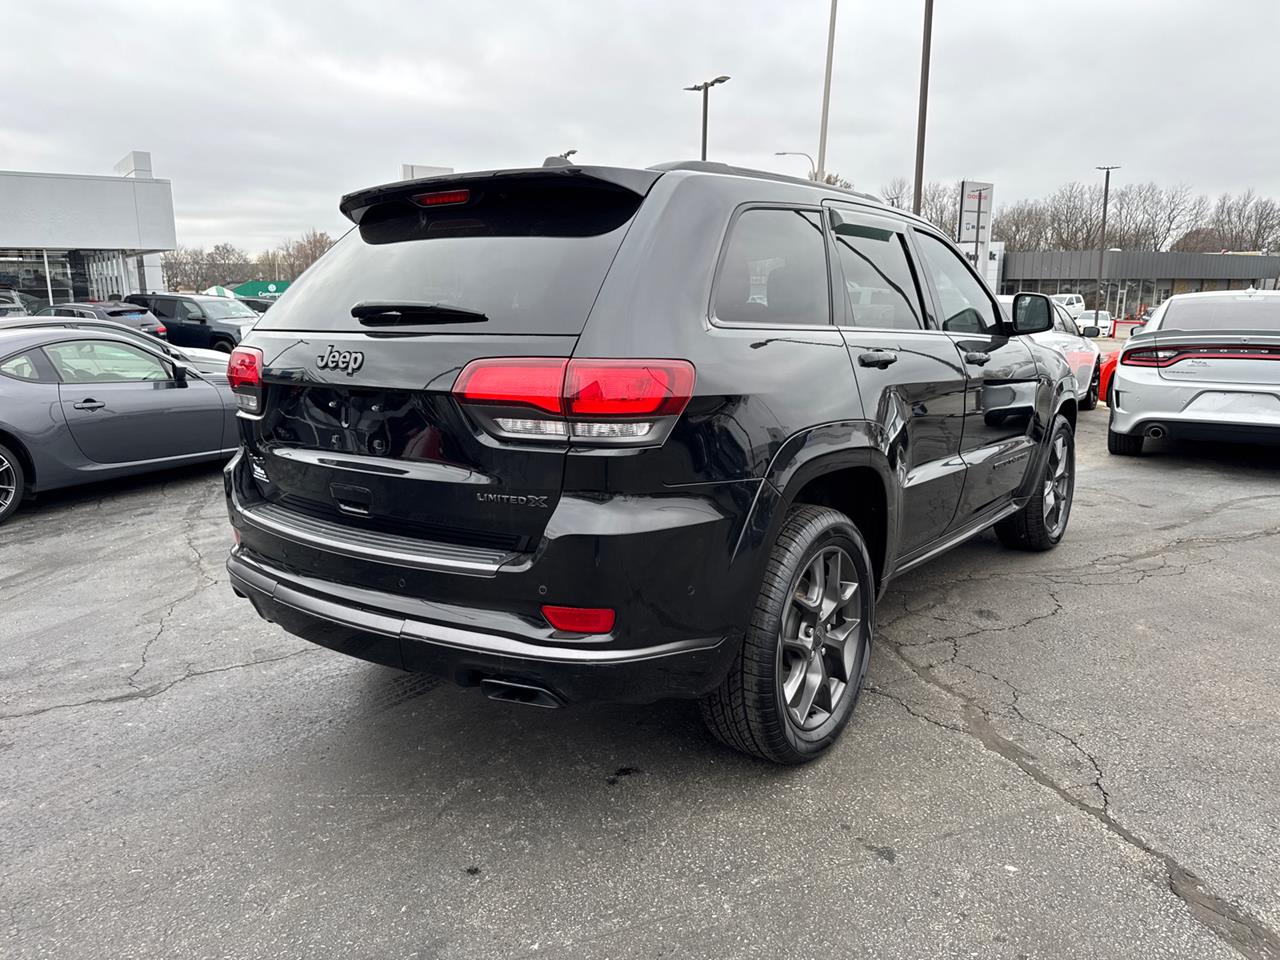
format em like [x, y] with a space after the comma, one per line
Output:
[68, 237]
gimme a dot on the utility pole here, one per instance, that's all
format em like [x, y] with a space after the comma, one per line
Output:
[924, 105]
[826, 97]
[1102, 234]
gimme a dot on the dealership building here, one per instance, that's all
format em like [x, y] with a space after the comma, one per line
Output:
[1133, 279]
[66, 237]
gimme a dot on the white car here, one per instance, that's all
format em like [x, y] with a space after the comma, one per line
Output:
[1076, 345]
[1072, 301]
[1206, 366]
[1101, 319]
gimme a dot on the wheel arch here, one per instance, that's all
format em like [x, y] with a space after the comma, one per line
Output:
[25, 460]
[822, 466]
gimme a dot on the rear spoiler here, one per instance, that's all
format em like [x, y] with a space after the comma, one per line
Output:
[355, 205]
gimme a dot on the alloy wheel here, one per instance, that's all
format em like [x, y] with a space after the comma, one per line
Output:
[8, 484]
[1057, 486]
[822, 640]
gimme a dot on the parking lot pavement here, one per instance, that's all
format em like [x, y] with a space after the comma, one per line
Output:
[1062, 754]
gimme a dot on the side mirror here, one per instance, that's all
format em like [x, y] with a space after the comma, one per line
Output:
[180, 372]
[1032, 313]
[1091, 332]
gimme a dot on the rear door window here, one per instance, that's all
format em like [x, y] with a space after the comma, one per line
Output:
[163, 307]
[526, 256]
[774, 270]
[879, 284]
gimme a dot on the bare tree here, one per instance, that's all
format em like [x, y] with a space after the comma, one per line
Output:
[940, 205]
[834, 180]
[1021, 226]
[1074, 214]
[897, 193]
[292, 257]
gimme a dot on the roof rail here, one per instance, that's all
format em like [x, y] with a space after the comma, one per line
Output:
[711, 166]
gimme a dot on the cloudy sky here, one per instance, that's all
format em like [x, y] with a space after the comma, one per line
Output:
[263, 112]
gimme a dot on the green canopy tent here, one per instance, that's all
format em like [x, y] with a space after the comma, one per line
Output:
[267, 289]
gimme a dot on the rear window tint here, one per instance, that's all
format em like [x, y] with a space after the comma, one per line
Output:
[126, 313]
[529, 258]
[1222, 313]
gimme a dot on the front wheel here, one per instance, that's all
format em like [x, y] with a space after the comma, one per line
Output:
[1041, 523]
[223, 346]
[800, 669]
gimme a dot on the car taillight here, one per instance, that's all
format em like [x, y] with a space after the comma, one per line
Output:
[244, 374]
[579, 619]
[588, 401]
[1148, 357]
[441, 198]
[161, 330]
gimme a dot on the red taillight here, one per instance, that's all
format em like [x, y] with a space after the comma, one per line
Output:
[442, 198]
[579, 619]
[514, 381]
[627, 388]
[593, 401]
[244, 374]
[1168, 356]
[244, 367]
[161, 330]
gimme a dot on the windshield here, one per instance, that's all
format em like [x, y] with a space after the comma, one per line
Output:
[226, 310]
[1221, 313]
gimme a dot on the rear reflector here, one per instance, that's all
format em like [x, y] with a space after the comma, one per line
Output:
[579, 619]
[442, 198]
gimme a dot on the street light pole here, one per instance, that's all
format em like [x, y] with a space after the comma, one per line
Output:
[705, 89]
[1102, 234]
[813, 167]
[924, 104]
[821, 167]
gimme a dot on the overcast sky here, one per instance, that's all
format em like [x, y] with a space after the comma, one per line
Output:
[263, 112]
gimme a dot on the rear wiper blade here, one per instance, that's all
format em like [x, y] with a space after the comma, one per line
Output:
[380, 313]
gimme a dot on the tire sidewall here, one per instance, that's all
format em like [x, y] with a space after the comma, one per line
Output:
[1061, 426]
[20, 482]
[842, 534]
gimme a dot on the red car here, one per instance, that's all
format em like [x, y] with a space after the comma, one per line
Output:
[1106, 367]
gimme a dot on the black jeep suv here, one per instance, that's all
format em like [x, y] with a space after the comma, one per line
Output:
[582, 433]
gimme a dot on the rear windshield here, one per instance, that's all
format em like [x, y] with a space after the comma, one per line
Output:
[1222, 313]
[530, 259]
[136, 312]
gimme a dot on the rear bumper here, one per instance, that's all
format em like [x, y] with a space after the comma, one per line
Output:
[1193, 410]
[363, 624]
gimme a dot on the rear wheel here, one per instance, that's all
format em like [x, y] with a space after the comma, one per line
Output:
[12, 483]
[1090, 400]
[1042, 522]
[801, 666]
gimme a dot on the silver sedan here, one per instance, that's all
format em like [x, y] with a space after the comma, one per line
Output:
[1206, 366]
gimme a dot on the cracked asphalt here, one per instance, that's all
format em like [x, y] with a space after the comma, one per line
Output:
[1070, 754]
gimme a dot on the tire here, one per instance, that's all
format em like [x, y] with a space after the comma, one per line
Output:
[222, 346]
[756, 709]
[1041, 524]
[12, 483]
[1090, 401]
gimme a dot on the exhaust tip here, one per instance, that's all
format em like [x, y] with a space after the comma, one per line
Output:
[1155, 432]
[508, 692]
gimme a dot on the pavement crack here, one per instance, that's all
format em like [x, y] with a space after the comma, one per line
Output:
[1246, 934]
[155, 689]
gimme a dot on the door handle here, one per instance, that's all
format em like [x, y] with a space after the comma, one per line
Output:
[877, 358]
[88, 403]
[977, 358]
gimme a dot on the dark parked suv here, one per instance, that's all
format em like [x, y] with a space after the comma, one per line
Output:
[588, 433]
[214, 323]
